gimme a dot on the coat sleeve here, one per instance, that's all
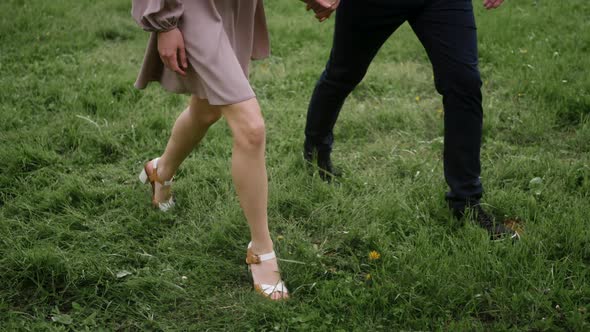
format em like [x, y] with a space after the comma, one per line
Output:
[157, 15]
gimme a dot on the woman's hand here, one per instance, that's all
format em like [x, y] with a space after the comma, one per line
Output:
[491, 4]
[171, 49]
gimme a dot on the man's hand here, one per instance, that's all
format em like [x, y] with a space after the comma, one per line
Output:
[171, 49]
[323, 8]
[492, 4]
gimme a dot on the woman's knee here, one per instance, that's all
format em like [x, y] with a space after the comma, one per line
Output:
[247, 124]
[252, 134]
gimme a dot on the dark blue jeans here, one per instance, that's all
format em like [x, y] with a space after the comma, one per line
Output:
[446, 29]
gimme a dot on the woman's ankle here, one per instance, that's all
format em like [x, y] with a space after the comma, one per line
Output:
[262, 246]
[165, 172]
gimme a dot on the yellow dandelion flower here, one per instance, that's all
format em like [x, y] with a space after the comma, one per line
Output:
[368, 277]
[417, 98]
[374, 255]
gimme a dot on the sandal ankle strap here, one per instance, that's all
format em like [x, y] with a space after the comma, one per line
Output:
[252, 258]
[154, 175]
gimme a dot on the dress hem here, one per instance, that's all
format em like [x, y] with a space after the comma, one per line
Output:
[237, 100]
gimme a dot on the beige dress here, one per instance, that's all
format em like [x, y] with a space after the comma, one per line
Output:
[221, 37]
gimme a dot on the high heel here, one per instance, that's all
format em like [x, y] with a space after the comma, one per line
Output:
[149, 174]
[265, 289]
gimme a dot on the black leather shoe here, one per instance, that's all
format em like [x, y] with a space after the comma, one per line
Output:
[497, 230]
[326, 169]
[307, 154]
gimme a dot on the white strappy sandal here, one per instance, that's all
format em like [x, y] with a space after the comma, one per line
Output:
[265, 289]
[149, 174]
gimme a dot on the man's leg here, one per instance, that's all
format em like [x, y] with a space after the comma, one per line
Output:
[361, 29]
[447, 30]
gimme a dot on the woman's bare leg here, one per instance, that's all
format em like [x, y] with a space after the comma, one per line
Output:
[189, 129]
[251, 182]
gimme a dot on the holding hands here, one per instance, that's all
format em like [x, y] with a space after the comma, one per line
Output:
[492, 4]
[323, 8]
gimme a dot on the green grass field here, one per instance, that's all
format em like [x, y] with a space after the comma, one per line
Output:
[81, 249]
